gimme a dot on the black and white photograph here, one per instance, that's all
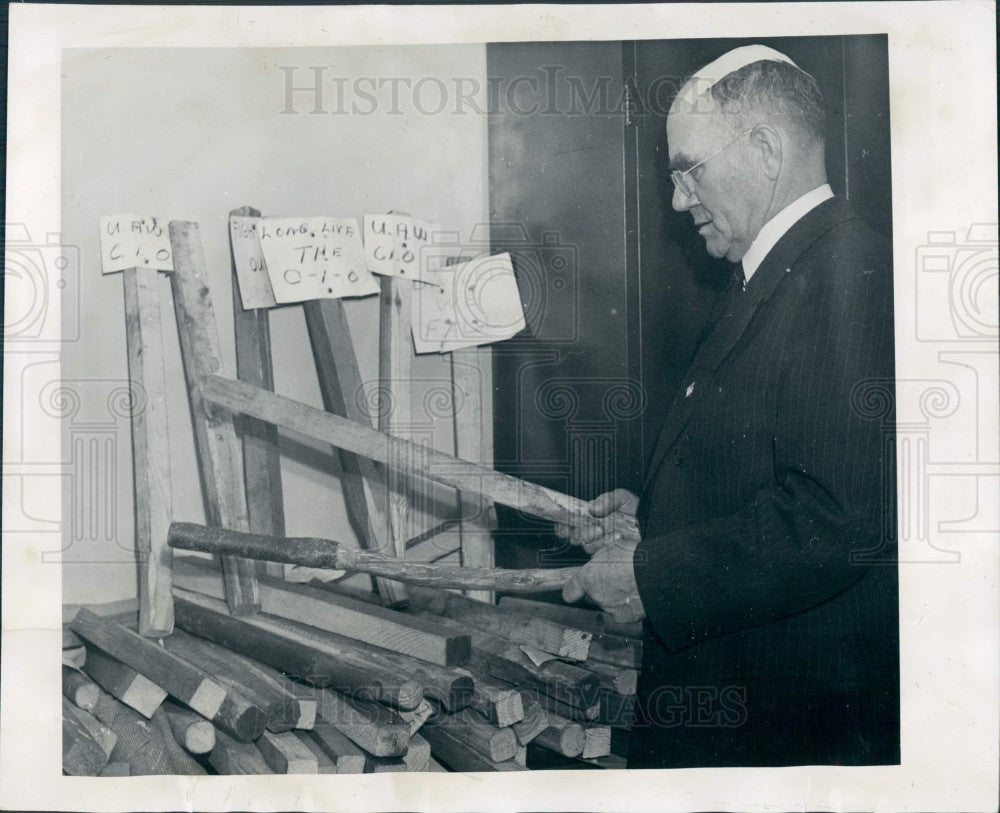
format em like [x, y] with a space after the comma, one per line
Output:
[449, 392]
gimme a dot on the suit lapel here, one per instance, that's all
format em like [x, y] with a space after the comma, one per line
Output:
[733, 323]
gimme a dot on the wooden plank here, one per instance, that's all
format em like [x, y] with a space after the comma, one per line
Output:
[431, 464]
[284, 752]
[453, 752]
[150, 450]
[562, 736]
[239, 674]
[472, 389]
[189, 684]
[596, 742]
[192, 731]
[596, 621]
[323, 762]
[327, 553]
[345, 755]
[579, 715]
[124, 683]
[317, 657]
[78, 688]
[101, 734]
[372, 727]
[261, 460]
[497, 744]
[219, 454]
[342, 389]
[418, 756]
[232, 757]
[340, 614]
[522, 628]
[82, 755]
[501, 705]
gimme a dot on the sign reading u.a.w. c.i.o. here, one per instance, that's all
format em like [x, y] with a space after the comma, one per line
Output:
[134, 241]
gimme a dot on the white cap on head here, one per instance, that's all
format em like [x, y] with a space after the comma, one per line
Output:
[733, 60]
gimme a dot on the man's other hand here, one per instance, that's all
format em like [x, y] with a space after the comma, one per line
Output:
[609, 581]
[593, 536]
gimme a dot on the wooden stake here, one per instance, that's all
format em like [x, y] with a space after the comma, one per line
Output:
[501, 705]
[614, 679]
[374, 728]
[124, 683]
[261, 461]
[285, 753]
[343, 394]
[219, 454]
[343, 615]
[497, 744]
[150, 450]
[192, 731]
[596, 742]
[232, 757]
[562, 736]
[327, 553]
[345, 755]
[535, 720]
[79, 689]
[451, 750]
[528, 497]
[189, 684]
[418, 756]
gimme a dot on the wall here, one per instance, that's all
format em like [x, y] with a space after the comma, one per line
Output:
[191, 134]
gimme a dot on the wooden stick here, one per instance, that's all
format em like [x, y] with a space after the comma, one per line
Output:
[529, 498]
[596, 621]
[219, 453]
[189, 684]
[284, 752]
[192, 731]
[562, 736]
[579, 715]
[418, 756]
[340, 614]
[78, 688]
[261, 461]
[374, 728]
[342, 389]
[150, 449]
[452, 751]
[124, 683]
[232, 757]
[596, 742]
[534, 722]
[82, 755]
[614, 679]
[279, 707]
[102, 735]
[497, 744]
[472, 386]
[326, 553]
[522, 628]
[421, 714]
[501, 705]
[324, 764]
[344, 754]
[321, 659]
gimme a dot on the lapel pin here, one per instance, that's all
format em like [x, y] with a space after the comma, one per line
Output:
[690, 389]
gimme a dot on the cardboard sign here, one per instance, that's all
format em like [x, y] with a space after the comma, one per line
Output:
[470, 304]
[134, 241]
[251, 267]
[314, 258]
[395, 245]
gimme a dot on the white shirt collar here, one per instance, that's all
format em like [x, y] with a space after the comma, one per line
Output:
[776, 227]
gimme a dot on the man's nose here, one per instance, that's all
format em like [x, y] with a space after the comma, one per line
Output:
[681, 201]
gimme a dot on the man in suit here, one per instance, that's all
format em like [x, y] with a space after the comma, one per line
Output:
[764, 564]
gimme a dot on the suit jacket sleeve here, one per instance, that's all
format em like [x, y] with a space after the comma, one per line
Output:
[790, 548]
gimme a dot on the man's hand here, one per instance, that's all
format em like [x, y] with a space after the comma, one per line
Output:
[608, 580]
[597, 534]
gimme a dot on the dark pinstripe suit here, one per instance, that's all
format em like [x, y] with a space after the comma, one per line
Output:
[775, 636]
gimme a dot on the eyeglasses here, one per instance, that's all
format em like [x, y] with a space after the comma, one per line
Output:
[680, 177]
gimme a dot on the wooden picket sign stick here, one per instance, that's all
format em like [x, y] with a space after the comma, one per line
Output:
[150, 448]
[326, 553]
[219, 453]
[528, 498]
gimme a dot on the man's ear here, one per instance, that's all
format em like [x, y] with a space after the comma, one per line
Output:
[768, 141]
